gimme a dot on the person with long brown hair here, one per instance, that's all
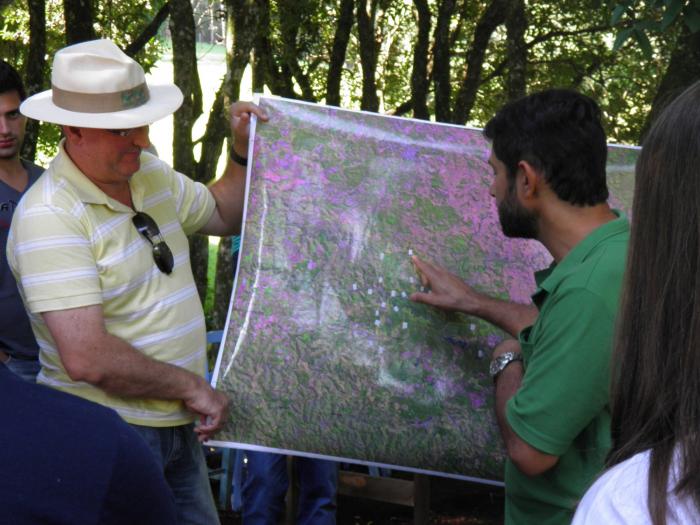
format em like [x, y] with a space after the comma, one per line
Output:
[654, 464]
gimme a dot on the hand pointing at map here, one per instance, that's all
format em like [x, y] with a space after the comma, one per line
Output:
[449, 292]
[446, 290]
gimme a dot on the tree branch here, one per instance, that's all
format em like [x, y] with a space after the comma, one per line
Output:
[149, 31]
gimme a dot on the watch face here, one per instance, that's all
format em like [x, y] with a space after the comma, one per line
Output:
[497, 365]
[502, 361]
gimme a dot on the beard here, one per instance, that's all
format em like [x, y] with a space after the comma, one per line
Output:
[516, 221]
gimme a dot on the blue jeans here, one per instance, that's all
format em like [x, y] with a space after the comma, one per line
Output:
[27, 370]
[266, 483]
[180, 454]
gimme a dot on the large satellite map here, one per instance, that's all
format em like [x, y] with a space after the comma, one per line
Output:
[323, 352]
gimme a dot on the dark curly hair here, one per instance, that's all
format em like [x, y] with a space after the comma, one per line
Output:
[557, 131]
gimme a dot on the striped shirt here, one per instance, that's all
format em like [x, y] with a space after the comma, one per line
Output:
[71, 245]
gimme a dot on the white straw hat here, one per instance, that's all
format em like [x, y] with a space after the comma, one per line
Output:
[95, 85]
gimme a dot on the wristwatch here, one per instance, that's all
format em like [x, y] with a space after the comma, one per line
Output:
[498, 364]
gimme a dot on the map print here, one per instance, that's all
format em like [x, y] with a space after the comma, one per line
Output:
[323, 352]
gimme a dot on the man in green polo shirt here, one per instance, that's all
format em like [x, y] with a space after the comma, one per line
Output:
[551, 384]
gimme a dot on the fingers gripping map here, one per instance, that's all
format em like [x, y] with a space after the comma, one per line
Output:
[324, 353]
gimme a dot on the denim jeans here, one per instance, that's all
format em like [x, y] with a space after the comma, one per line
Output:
[182, 459]
[266, 482]
[27, 370]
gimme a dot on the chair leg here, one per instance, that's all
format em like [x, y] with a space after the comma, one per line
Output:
[421, 499]
[237, 501]
[225, 482]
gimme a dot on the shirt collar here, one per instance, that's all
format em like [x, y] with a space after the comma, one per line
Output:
[549, 278]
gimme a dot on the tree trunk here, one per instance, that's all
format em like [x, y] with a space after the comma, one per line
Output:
[338, 52]
[79, 17]
[289, 23]
[34, 73]
[487, 24]
[278, 79]
[683, 69]
[212, 143]
[241, 27]
[186, 77]
[242, 20]
[368, 55]
[419, 74]
[441, 61]
[516, 25]
[224, 283]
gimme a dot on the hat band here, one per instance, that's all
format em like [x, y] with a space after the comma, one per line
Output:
[100, 102]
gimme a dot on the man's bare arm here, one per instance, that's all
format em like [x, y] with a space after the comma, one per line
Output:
[449, 292]
[229, 189]
[90, 353]
[528, 459]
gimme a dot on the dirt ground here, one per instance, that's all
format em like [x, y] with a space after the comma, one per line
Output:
[452, 502]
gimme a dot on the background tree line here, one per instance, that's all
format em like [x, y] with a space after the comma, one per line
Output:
[452, 61]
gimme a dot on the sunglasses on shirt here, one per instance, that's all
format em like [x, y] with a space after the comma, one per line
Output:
[162, 255]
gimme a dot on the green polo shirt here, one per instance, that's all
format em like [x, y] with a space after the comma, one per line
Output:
[561, 407]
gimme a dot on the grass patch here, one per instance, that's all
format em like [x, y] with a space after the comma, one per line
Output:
[211, 277]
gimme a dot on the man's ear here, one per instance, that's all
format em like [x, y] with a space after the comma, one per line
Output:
[528, 180]
[72, 133]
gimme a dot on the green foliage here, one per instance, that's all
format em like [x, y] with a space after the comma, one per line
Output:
[211, 281]
[571, 43]
[638, 20]
[119, 21]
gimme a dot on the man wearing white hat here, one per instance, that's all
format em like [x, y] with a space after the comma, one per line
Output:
[99, 249]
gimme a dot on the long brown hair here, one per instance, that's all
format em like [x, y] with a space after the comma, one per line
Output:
[656, 363]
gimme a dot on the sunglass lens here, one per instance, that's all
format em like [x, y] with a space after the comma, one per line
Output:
[145, 224]
[163, 257]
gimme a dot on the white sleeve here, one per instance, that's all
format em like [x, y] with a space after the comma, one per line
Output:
[619, 497]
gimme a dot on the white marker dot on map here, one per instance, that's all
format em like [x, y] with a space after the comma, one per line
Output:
[381, 256]
[383, 305]
[403, 294]
[381, 349]
[376, 312]
[472, 327]
[404, 325]
[354, 286]
[410, 252]
[381, 279]
[411, 279]
[377, 322]
[396, 308]
[393, 293]
[480, 354]
[370, 291]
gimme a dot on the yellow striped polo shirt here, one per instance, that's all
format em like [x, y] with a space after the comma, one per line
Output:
[70, 245]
